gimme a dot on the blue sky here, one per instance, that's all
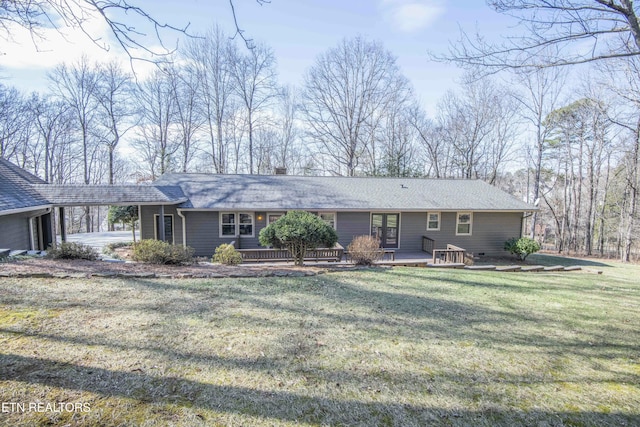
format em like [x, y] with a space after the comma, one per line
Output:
[297, 30]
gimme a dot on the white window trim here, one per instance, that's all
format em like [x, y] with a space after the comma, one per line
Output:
[335, 217]
[237, 224]
[173, 227]
[470, 233]
[439, 220]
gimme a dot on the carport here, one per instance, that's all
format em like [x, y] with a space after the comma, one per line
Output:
[65, 196]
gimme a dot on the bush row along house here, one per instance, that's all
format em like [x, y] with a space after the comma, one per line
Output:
[206, 210]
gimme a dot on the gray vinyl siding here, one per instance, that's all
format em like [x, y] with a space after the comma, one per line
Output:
[412, 228]
[14, 231]
[352, 224]
[203, 232]
[147, 222]
[489, 232]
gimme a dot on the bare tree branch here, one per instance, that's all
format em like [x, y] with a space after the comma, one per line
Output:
[578, 31]
[36, 16]
[240, 32]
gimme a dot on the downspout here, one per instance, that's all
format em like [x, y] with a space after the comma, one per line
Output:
[184, 227]
[139, 221]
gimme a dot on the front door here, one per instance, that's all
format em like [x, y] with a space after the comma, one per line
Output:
[386, 227]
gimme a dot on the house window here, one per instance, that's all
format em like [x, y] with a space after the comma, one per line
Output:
[236, 224]
[464, 224]
[433, 221]
[168, 228]
[329, 218]
[273, 217]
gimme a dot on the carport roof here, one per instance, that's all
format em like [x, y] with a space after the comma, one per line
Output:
[98, 195]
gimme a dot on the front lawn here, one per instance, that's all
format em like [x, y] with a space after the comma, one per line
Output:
[401, 347]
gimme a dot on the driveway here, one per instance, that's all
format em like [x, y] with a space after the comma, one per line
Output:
[99, 240]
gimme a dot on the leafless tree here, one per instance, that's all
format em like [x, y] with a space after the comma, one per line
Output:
[209, 58]
[541, 89]
[430, 136]
[77, 85]
[346, 94]
[157, 139]
[288, 153]
[188, 120]
[12, 120]
[479, 124]
[577, 31]
[114, 94]
[254, 74]
[53, 122]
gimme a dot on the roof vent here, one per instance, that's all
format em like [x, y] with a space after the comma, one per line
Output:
[280, 171]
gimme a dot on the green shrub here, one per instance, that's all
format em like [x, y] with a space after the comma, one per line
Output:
[522, 247]
[365, 250]
[298, 232]
[159, 252]
[228, 255]
[72, 250]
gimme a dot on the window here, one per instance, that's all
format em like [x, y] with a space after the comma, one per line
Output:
[236, 224]
[329, 218]
[246, 224]
[273, 217]
[464, 223]
[168, 228]
[433, 221]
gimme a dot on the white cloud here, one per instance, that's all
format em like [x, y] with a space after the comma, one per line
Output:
[67, 44]
[411, 15]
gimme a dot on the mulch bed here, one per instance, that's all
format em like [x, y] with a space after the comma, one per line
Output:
[44, 267]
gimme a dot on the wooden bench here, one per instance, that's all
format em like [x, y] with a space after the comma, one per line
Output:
[333, 254]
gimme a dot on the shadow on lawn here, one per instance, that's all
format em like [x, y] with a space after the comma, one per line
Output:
[393, 312]
[278, 405]
[549, 259]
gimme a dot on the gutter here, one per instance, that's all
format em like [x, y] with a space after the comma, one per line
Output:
[26, 209]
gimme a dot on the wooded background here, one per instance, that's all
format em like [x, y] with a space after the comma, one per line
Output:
[564, 138]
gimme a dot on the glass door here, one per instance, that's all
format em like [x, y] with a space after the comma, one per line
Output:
[385, 227]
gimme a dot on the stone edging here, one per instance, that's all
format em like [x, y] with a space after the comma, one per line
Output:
[119, 275]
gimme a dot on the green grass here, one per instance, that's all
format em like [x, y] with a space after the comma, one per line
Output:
[397, 347]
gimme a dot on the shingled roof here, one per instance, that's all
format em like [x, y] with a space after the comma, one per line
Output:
[287, 192]
[97, 195]
[16, 191]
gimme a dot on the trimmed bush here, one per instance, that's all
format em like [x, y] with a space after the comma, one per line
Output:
[365, 250]
[72, 250]
[298, 232]
[159, 252]
[522, 247]
[228, 255]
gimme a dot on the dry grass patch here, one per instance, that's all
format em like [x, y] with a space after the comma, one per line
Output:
[379, 347]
